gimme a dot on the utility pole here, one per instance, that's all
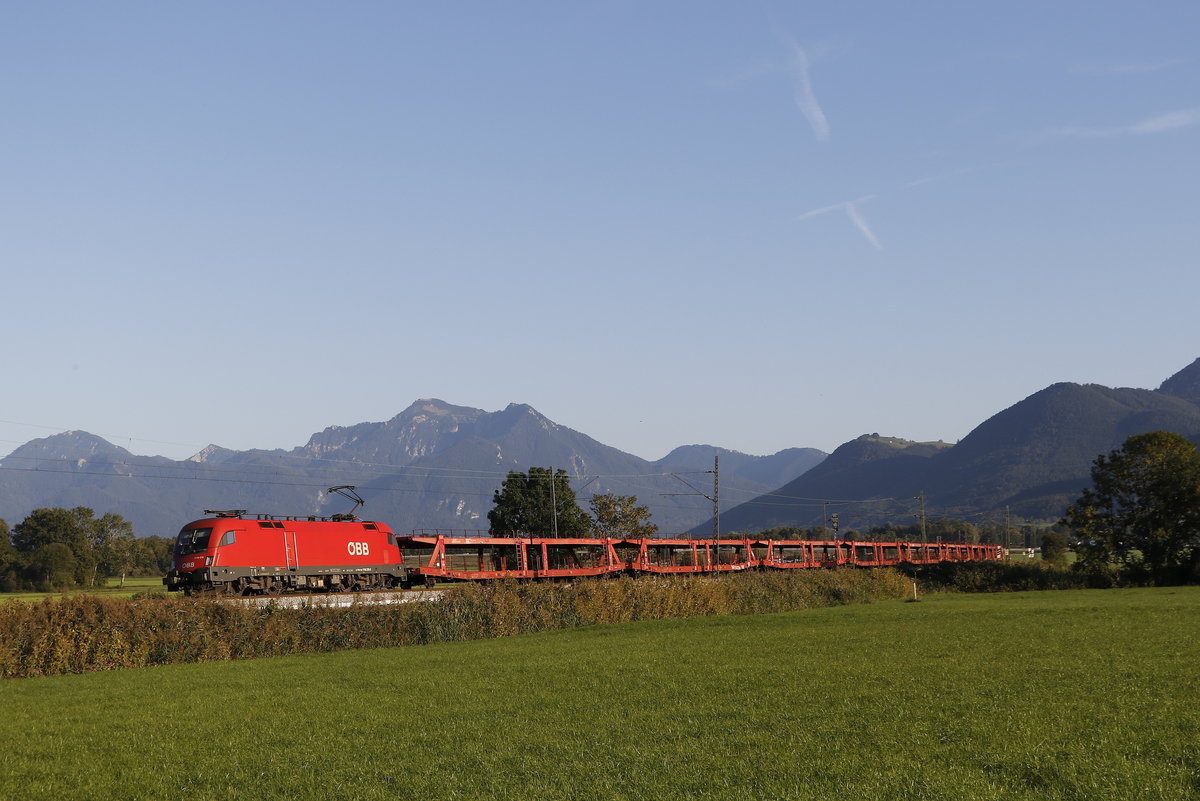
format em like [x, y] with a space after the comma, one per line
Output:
[1007, 528]
[553, 503]
[921, 498]
[716, 502]
[716, 498]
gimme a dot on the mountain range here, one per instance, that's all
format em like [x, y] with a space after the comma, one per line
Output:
[1029, 461]
[432, 466]
[436, 465]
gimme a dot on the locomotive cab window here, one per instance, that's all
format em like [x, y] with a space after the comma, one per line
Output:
[192, 540]
[229, 538]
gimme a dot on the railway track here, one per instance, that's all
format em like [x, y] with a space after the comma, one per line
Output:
[340, 599]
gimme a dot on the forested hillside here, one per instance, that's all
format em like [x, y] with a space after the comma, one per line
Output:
[1028, 461]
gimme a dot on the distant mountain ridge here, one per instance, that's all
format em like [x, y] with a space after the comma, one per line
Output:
[435, 466]
[432, 466]
[1030, 460]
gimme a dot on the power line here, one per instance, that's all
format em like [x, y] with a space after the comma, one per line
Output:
[254, 474]
[275, 475]
[259, 469]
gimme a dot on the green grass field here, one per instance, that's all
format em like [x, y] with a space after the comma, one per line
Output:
[1052, 695]
[113, 590]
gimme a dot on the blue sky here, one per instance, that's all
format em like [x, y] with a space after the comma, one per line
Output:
[660, 223]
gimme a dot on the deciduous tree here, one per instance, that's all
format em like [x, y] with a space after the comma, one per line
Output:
[1054, 548]
[540, 502]
[46, 525]
[1143, 508]
[10, 561]
[111, 538]
[53, 567]
[152, 555]
[67, 527]
[621, 516]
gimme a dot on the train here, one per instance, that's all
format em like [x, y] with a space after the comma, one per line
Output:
[233, 553]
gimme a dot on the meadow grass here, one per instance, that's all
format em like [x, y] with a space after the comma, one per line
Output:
[1054, 695]
[133, 585]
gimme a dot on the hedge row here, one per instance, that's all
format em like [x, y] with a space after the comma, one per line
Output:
[1008, 577]
[86, 633]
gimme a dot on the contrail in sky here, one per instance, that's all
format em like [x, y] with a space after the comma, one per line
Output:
[861, 224]
[1134, 68]
[1161, 123]
[851, 209]
[805, 99]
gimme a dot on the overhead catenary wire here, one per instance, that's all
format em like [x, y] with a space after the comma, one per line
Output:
[237, 477]
[275, 475]
[234, 476]
[406, 470]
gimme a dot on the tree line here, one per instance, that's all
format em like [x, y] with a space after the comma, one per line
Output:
[542, 503]
[1139, 518]
[56, 549]
[1138, 522]
[936, 529]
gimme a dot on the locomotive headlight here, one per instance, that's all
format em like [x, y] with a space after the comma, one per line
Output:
[207, 561]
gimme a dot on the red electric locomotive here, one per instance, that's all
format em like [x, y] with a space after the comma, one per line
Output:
[230, 553]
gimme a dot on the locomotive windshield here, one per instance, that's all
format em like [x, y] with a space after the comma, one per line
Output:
[192, 540]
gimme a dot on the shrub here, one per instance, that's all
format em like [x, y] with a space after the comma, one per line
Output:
[83, 633]
[1006, 577]
[1054, 548]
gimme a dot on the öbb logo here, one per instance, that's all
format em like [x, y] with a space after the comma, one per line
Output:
[358, 549]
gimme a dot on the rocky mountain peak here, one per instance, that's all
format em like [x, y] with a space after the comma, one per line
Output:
[433, 406]
[209, 454]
